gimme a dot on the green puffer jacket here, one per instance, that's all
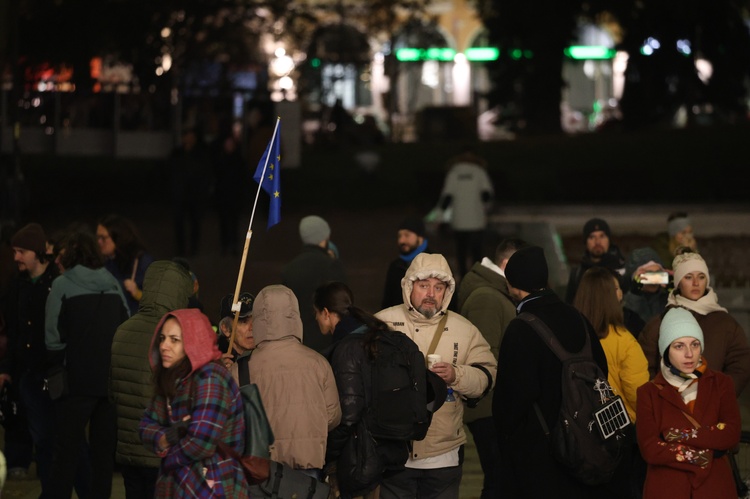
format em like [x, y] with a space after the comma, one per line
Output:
[483, 298]
[166, 287]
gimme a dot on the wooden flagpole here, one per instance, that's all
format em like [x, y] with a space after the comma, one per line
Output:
[235, 305]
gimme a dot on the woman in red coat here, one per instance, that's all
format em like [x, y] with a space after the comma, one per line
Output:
[688, 417]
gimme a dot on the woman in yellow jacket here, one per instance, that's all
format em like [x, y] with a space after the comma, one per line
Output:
[598, 298]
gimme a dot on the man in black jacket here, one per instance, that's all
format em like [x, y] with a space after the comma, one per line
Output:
[23, 366]
[529, 373]
[411, 242]
[313, 266]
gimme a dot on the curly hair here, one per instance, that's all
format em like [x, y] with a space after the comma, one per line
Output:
[79, 247]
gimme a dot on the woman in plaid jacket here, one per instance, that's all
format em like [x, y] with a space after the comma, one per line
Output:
[196, 405]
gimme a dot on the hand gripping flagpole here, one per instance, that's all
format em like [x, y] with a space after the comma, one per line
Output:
[235, 305]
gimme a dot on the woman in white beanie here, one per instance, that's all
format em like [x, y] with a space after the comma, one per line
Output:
[688, 418]
[726, 347]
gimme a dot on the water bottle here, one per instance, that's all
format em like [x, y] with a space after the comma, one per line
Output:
[450, 397]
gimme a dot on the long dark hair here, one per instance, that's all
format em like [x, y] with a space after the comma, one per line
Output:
[128, 243]
[165, 379]
[338, 298]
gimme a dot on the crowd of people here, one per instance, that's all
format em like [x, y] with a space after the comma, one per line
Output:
[150, 382]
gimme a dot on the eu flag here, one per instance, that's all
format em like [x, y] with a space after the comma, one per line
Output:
[271, 181]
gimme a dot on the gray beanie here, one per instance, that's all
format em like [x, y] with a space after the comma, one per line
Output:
[678, 323]
[313, 230]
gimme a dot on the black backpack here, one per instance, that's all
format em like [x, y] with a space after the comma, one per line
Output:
[404, 392]
[588, 437]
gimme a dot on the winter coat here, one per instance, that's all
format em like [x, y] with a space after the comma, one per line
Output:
[212, 400]
[295, 382]
[312, 267]
[353, 374]
[661, 410]
[628, 368]
[612, 259]
[460, 344]
[84, 308]
[528, 373]
[726, 348]
[166, 287]
[24, 315]
[484, 300]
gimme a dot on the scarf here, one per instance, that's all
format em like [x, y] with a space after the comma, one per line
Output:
[408, 257]
[704, 305]
[685, 383]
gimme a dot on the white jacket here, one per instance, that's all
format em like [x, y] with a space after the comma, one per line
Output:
[461, 344]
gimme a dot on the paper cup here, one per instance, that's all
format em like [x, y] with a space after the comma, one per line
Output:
[433, 359]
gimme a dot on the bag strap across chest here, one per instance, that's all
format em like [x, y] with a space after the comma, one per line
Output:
[437, 335]
[551, 340]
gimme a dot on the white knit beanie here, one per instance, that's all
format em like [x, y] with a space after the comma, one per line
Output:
[689, 262]
[678, 323]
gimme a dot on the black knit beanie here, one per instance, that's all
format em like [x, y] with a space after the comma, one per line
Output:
[414, 224]
[595, 224]
[527, 269]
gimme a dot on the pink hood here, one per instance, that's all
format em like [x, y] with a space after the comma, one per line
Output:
[198, 337]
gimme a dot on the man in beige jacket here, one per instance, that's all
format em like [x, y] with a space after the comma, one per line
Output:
[295, 382]
[434, 467]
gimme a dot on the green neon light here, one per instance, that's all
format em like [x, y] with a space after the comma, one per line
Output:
[580, 52]
[484, 54]
[477, 54]
[431, 54]
[407, 55]
[315, 62]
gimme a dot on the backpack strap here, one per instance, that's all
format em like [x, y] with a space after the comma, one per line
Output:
[243, 368]
[549, 338]
[437, 335]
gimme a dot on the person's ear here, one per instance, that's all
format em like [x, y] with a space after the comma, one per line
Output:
[225, 330]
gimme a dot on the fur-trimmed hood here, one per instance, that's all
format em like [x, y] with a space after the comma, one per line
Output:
[424, 266]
